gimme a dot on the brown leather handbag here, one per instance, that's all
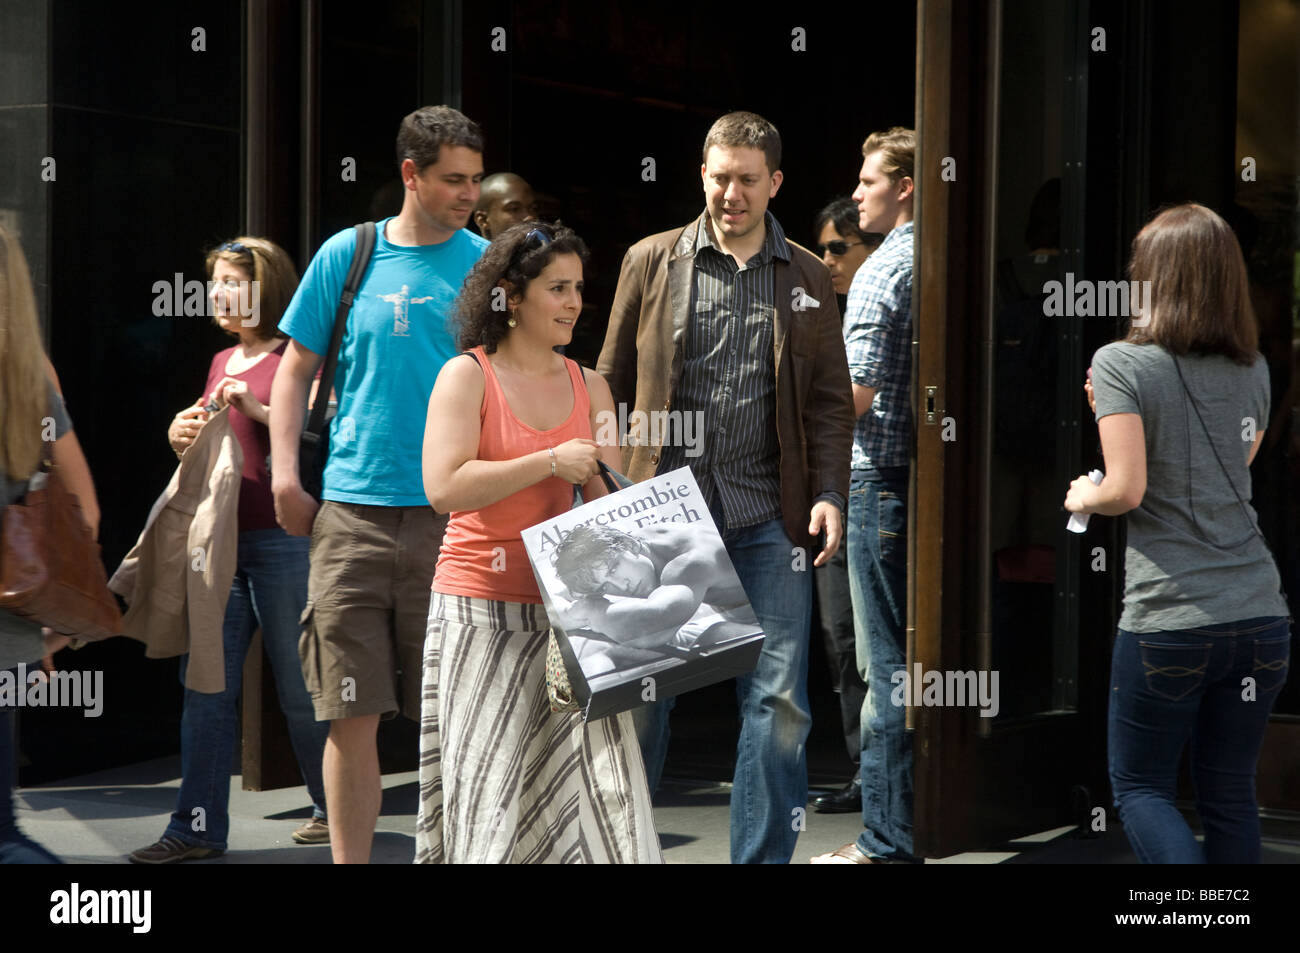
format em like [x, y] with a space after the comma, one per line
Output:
[50, 568]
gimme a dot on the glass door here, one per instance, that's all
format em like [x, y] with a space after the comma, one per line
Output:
[1000, 596]
[1267, 219]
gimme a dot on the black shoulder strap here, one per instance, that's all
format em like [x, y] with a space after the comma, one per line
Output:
[1240, 502]
[360, 260]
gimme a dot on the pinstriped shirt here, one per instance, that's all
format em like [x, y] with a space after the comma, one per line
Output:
[728, 374]
[878, 341]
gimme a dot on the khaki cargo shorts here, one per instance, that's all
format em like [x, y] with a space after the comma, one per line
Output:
[363, 628]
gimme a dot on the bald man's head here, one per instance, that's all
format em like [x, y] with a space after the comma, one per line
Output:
[505, 200]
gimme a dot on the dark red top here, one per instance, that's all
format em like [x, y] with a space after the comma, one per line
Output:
[256, 505]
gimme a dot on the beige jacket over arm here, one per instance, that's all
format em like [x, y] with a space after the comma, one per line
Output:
[177, 577]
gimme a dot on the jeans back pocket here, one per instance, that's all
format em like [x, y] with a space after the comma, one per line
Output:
[1174, 671]
[1272, 657]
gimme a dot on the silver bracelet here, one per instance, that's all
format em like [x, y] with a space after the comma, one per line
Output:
[551, 451]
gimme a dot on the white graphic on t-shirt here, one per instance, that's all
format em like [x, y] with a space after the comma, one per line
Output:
[402, 302]
[347, 430]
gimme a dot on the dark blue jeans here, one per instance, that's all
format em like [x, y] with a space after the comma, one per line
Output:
[1214, 686]
[15, 846]
[835, 603]
[877, 541]
[770, 789]
[270, 590]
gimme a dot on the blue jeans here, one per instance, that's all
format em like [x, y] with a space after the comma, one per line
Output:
[877, 541]
[269, 590]
[835, 603]
[1167, 687]
[15, 846]
[770, 789]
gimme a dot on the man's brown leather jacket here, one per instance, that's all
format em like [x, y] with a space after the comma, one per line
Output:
[642, 361]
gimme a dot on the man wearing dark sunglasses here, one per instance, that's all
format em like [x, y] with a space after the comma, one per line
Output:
[842, 244]
[727, 319]
[375, 539]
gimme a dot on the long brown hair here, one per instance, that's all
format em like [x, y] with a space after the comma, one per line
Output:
[1200, 295]
[23, 391]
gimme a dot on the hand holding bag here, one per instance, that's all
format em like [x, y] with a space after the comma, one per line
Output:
[600, 567]
[558, 687]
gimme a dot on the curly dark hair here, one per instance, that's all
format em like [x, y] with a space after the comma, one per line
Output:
[588, 548]
[516, 256]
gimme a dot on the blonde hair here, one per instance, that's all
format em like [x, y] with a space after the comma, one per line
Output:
[897, 147]
[23, 388]
[271, 267]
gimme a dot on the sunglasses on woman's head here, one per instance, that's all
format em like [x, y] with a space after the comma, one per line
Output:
[539, 236]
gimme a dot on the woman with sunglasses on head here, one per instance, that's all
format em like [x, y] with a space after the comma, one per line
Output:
[509, 435]
[251, 283]
[1204, 640]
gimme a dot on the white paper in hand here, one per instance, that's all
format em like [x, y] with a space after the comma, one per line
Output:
[1079, 521]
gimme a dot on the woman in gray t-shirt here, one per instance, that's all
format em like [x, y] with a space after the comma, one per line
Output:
[1204, 640]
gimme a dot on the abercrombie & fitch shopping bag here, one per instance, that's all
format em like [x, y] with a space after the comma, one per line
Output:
[643, 598]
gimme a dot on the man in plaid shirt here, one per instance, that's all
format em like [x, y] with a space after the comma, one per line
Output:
[878, 339]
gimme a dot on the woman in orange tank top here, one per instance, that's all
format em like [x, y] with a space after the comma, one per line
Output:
[509, 434]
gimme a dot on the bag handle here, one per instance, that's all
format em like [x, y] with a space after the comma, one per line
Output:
[613, 480]
[360, 260]
[1210, 440]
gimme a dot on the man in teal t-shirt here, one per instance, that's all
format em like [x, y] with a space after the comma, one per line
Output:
[375, 539]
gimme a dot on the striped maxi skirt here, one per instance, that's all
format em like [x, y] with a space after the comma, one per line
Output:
[503, 779]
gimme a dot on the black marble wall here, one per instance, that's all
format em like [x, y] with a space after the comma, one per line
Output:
[141, 117]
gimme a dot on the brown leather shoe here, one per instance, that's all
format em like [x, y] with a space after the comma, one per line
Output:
[169, 850]
[315, 831]
[848, 854]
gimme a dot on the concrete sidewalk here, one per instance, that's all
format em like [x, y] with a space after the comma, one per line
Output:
[100, 818]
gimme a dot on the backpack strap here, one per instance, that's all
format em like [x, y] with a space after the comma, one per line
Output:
[360, 261]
